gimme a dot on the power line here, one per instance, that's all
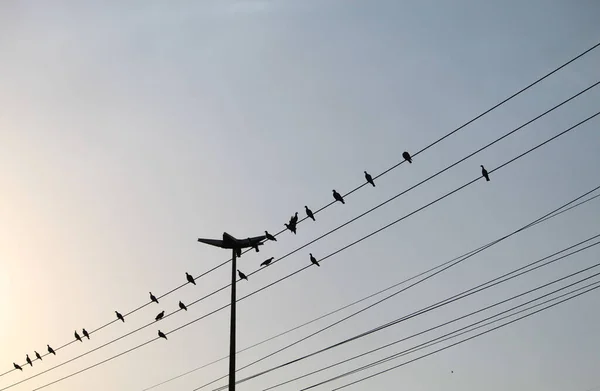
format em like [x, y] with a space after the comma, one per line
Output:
[395, 222]
[444, 337]
[556, 212]
[467, 329]
[355, 189]
[340, 226]
[459, 296]
[467, 339]
[349, 245]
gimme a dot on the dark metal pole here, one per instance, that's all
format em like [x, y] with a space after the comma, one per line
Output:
[232, 326]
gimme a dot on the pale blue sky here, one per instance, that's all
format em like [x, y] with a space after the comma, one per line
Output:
[129, 129]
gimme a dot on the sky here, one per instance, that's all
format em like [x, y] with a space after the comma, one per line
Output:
[130, 129]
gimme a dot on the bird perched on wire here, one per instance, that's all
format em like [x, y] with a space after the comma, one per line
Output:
[160, 315]
[85, 334]
[37, 355]
[242, 275]
[190, 278]
[153, 298]
[162, 335]
[313, 260]
[369, 178]
[267, 262]
[28, 360]
[120, 317]
[182, 306]
[294, 218]
[338, 197]
[77, 336]
[270, 237]
[309, 213]
[485, 173]
[406, 156]
[50, 350]
[291, 227]
[17, 366]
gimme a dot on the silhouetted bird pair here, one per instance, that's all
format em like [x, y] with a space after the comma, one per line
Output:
[85, 334]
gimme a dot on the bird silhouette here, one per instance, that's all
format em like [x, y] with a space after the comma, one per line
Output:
[338, 197]
[85, 334]
[162, 335]
[270, 237]
[190, 278]
[77, 336]
[291, 227]
[153, 298]
[313, 260]
[50, 350]
[17, 366]
[160, 315]
[294, 218]
[485, 174]
[37, 355]
[309, 213]
[406, 156]
[267, 262]
[120, 317]
[369, 178]
[182, 306]
[28, 360]
[242, 275]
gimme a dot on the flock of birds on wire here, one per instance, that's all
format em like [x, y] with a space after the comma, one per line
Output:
[290, 226]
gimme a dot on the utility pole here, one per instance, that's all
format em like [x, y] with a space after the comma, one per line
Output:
[236, 245]
[232, 324]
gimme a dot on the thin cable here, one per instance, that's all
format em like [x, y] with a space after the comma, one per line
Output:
[442, 338]
[556, 212]
[389, 225]
[383, 228]
[353, 190]
[459, 296]
[466, 329]
[465, 340]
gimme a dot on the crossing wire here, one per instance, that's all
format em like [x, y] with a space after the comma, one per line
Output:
[467, 293]
[444, 337]
[332, 254]
[464, 340]
[464, 330]
[550, 215]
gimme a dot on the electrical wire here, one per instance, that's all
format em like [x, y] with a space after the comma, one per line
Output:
[447, 336]
[466, 329]
[395, 222]
[465, 340]
[469, 292]
[341, 249]
[558, 211]
[355, 189]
